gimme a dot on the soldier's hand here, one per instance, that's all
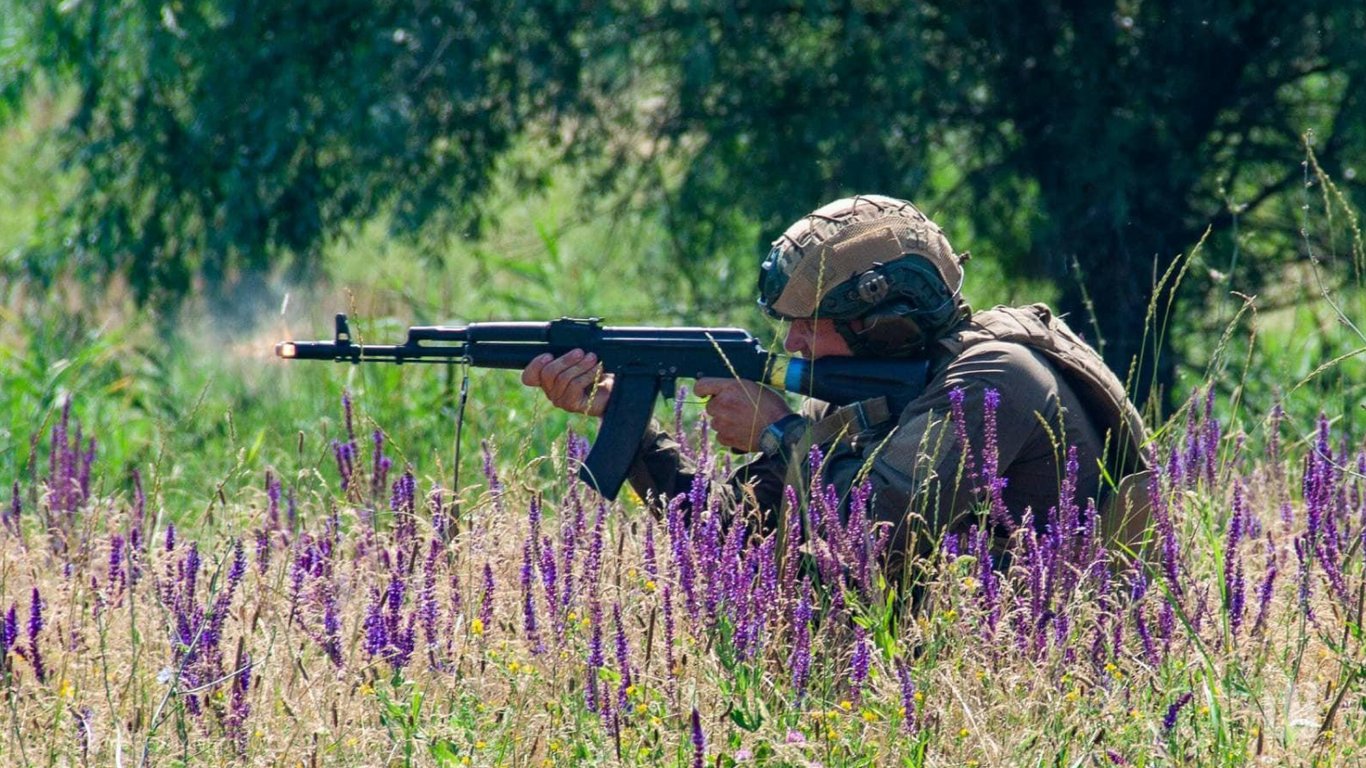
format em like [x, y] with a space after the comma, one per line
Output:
[572, 381]
[740, 410]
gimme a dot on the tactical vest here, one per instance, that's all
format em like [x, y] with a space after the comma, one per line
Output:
[1100, 391]
[1124, 511]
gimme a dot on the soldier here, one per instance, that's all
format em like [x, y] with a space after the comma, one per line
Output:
[872, 276]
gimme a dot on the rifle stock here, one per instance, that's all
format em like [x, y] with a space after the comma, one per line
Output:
[645, 361]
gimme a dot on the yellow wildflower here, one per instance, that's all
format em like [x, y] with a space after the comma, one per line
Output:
[642, 708]
[869, 716]
[650, 585]
[963, 733]
[919, 697]
[630, 690]
[846, 705]
[573, 616]
[477, 626]
[656, 722]
[970, 584]
[950, 615]
[66, 691]
[1072, 695]
[479, 745]
[513, 666]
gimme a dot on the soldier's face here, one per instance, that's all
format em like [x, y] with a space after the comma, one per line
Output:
[814, 339]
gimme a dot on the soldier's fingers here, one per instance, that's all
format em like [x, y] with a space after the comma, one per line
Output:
[555, 367]
[532, 373]
[710, 387]
[574, 384]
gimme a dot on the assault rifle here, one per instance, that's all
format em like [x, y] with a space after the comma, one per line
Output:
[645, 362]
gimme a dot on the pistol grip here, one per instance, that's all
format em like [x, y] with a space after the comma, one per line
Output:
[628, 414]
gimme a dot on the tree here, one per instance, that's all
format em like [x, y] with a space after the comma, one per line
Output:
[216, 137]
[1092, 138]
[1092, 143]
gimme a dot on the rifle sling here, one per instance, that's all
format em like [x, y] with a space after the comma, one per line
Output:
[850, 420]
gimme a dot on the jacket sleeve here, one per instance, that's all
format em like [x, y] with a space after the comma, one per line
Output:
[662, 470]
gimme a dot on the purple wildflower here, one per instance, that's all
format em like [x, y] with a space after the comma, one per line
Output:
[35, 625]
[549, 576]
[669, 659]
[903, 675]
[992, 482]
[528, 596]
[486, 604]
[1233, 566]
[680, 544]
[801, 643]
[9, 636]
[699, 744]
[623, 657]
[1171, 554]
[858, 665]
[960, 431]
[238, 708]
[1169, 720]
[1265, 591]
[272, 501]
[376, 628]
[427, 609]
[379, 473]
[118, 577]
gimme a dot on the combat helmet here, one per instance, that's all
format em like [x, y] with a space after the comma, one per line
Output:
[875, 265]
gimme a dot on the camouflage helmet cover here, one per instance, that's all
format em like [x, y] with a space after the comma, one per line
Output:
[840, 241]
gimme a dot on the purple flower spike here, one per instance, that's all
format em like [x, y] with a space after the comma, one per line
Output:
[1169, 721]
[35, 625]
[623, 657]
[801, 644]
[903, 675]
[699, 743]
[528, 580]
[669, 658]
[486, 605]
[858, 665]
[272, 501]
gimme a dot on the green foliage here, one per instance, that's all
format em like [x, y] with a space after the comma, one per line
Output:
[217, 137]
[1085, 146]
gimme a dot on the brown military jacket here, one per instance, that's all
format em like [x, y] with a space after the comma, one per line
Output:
[913, 462]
